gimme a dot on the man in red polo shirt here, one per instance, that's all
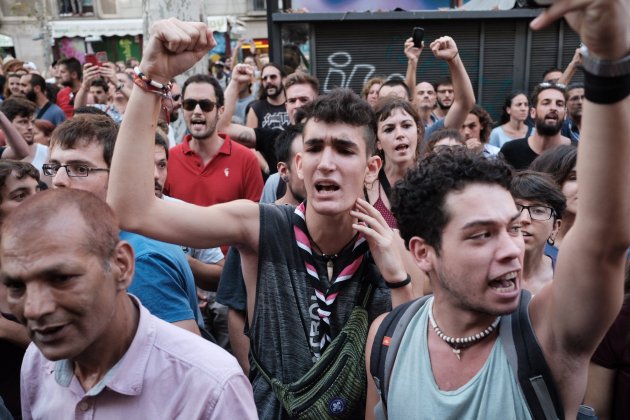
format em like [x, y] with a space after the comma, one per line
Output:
[207, 167]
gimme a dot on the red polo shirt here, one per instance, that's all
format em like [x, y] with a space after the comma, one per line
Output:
[232, 174]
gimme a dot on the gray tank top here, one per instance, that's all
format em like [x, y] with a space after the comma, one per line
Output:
[493, 393]
[285, 309]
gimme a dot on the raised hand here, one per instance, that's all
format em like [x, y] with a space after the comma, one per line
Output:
[601, 24]
[444, 48]
[174, 47]
[381, 239]
[243, 74]
[412, 52]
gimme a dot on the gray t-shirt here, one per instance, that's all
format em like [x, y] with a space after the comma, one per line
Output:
[285, 311]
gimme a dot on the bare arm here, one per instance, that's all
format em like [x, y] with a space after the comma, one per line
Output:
[174, 46]
[239, 342]
[242, 134]
[569, 72]
[242, 74]
[252, 119]
[600, 389]
[17, 146]
[90, 73]
[206, 275]
[413, 57]
[14, 332]
[572, 315]
[445, 48]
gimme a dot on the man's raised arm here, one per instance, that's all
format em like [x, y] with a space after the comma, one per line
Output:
[445, 48]
[174, 47]
[572, 316]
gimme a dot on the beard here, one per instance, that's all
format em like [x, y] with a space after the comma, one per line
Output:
[30, 95]
[212, 127]
[277, 92]
[545, 129]
[442, 105]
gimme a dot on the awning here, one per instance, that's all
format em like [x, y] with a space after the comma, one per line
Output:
[6, 41]
[96, 27]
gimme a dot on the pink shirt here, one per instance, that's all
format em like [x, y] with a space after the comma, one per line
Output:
[167, 373]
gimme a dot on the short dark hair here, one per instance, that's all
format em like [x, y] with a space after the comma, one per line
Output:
[419, 199]
[84, 129]
[161, 141]
[21, 169]
[397, 82]
[37, 80]
[444, 81]
[73, 65]
[100, 83]
[300, 78]
[284, 142]
[385, 106]
[557, 162]
[485, 120]
[17, 107]
[445, 133]
[540, 187]
[89, 110]
[543, 87]
[101, 236]
[346, 107]
[205, 78]
[575, 85]
[551, 70]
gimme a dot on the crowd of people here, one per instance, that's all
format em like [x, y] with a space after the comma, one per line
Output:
[242, 245]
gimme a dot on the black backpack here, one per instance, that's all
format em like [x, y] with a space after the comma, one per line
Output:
[519, 343]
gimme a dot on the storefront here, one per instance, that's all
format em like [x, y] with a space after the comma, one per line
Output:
[119, 38]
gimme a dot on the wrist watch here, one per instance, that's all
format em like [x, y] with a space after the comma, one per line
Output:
[605, 68]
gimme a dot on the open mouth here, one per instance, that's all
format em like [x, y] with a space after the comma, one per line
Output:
[47, 334]
[504, 284]
[402, 147]
[326, 187]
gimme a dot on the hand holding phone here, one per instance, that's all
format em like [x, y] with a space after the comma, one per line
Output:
[418, 35]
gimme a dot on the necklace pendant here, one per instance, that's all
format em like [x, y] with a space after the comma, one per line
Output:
[458, 353]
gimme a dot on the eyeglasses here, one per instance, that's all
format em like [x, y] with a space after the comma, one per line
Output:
[72, 169]
[546, 85]
[206, 105]
[177, 96]
[539, 213]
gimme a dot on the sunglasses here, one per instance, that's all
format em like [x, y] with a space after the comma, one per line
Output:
[206, 105]
[177, 96]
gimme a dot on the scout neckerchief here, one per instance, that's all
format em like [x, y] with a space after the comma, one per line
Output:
[340, 269]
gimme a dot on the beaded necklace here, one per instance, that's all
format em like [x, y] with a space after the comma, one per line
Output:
[459, 343]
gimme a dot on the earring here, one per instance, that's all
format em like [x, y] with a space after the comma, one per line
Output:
[551, 240]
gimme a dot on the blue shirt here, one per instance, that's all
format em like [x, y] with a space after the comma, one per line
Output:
[163, 280]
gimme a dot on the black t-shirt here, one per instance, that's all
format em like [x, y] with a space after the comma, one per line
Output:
[518, 153]
[270, 116]
[266, 145]
[11, 359]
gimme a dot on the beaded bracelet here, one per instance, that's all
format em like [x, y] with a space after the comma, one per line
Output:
[398, 284]
[159, 86]
[164, 92]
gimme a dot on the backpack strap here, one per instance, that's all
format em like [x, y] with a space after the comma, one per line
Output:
[387, 341]
[528, 364]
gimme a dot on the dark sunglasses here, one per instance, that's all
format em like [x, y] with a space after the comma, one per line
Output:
[177, 96]
[206, 105]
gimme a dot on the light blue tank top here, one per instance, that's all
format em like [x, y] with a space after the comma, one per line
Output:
[493, 393]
